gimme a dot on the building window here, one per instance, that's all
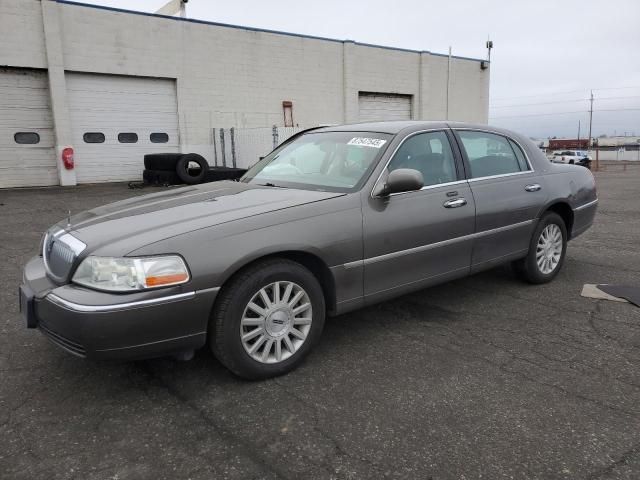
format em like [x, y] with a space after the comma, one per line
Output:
[159, 137]
[93, 137]
[27, 138]
[128, 137]
[287, 110]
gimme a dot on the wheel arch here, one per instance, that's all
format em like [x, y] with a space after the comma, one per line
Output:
[566, 213]
[312, 262]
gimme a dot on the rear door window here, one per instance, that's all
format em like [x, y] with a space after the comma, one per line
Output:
[489, 154]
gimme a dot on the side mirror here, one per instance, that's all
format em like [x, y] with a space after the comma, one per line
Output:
[400, 180]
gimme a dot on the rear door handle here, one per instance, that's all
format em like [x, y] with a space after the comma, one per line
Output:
[458, 202]
[534, 187]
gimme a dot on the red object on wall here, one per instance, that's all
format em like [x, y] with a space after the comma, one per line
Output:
[67, 158]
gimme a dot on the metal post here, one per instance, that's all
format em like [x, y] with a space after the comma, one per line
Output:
[448, 82]
[274, 132]
[232, 131]
[224, 156]
[590, 117]
[215, 148]
[597, 160]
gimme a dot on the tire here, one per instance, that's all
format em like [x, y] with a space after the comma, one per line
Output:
[227, 326]
[160, 177]
[189, 174]
[528, 268]
[215, 174]
[162, 161]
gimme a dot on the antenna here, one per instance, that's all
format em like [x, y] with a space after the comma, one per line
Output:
[485, 63]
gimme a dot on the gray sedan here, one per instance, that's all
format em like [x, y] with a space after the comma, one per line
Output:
[332, 220]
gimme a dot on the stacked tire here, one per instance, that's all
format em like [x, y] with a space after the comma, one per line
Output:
[189, 168]
[174, 168]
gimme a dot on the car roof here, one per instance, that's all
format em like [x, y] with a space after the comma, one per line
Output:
[391, 127]
[397, 126]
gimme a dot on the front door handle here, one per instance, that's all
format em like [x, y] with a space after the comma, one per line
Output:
[458, 202]
[534, 187]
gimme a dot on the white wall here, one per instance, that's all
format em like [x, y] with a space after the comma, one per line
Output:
[238, 77]
[21, 34]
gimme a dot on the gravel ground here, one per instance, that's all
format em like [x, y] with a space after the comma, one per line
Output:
[484, 377]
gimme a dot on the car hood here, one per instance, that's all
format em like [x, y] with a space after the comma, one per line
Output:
[150, 218]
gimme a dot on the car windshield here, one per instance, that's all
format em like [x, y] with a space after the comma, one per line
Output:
[331, 161]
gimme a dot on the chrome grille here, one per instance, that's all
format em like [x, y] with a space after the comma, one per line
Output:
[60, 252]
[60, 259]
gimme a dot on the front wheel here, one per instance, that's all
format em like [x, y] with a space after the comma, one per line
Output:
[267, 319]
[547, 250]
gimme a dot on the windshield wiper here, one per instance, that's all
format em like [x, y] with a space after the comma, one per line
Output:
[269, 184]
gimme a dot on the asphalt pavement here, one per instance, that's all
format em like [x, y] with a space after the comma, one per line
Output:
[485, 377]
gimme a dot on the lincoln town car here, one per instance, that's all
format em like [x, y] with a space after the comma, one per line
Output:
[334, 219]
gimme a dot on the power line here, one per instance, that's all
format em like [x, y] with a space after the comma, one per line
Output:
[569, 113]
[540, 95]
[634, 109]
[540, 114]
[566, 92]
[539, 103]
[617, 88]
[563, 101]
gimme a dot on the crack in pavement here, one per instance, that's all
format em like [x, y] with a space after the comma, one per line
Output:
[244, 448]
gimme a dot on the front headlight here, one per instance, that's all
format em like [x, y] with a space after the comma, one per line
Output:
[130, 274]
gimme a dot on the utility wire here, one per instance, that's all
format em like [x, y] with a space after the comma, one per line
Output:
[569, 113]
[539, 103]
[566, 92]
[562, 101]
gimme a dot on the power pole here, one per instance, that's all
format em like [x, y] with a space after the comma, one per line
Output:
[578, 133]
[590, 118]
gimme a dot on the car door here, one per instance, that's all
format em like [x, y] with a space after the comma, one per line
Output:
[508, 195]
[412, 239]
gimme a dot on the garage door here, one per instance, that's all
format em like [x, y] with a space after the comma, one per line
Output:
[383, 106]
[115, 120]
[27, 153]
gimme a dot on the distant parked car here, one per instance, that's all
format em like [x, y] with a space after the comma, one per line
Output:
[577, 157]
[330, 221]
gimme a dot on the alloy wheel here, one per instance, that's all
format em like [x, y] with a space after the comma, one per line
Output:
[276, 322]
[549, 248]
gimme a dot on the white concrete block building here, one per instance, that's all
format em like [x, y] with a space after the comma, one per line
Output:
[115, 84]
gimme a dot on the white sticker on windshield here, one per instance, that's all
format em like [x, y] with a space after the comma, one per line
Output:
[367, 142]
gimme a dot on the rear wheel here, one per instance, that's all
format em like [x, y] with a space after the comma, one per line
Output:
[547, 250]
[267, 319]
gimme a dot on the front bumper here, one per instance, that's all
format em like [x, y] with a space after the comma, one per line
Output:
[103, 325]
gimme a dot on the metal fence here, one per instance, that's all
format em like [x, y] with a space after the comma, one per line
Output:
[242, 147]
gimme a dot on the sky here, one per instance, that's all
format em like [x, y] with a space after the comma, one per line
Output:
[547, 55]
